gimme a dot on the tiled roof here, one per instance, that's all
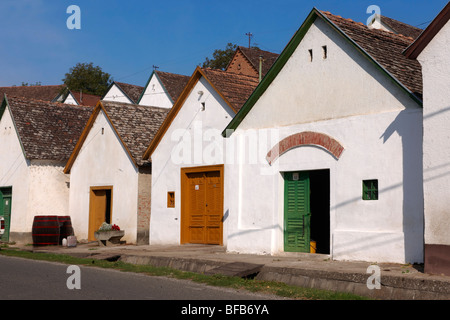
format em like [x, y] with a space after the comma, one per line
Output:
[253, 54]
[85, 99]
[174, 83]
[131, 90]
[136, 125]
[386, 48]
[44, 93]
[48, 130]
[401, 27]
[236, 88]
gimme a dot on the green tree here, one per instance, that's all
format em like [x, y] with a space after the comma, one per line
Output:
[87, 78]
[220, 58]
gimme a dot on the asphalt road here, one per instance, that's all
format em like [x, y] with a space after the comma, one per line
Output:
[23, 279]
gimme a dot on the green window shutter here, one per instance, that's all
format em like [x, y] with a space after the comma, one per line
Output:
[297, 212]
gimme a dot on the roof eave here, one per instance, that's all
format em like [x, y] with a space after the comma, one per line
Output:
[416, 48]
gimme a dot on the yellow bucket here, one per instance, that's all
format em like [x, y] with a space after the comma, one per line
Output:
[313, 246]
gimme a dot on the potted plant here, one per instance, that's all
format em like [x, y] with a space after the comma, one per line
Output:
[109, 234]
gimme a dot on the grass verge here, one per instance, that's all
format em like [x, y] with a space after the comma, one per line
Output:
[267, 287]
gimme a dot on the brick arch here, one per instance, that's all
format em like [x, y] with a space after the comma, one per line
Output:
[306, 138]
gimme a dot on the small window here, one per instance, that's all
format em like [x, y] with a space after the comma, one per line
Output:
[325, 53]
[171, 199]
[310, 55]
[370, 190]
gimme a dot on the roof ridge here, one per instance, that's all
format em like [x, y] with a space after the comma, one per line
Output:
[388, 33]
[44, 101]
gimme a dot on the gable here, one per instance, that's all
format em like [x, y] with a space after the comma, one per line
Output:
[101, 148]
[133, 125]
[197, 124]
[9, 143]
[378, 54]
[155, 94]
[415, 49]
[343, 84]
[115, 93]
[435, 51]
[231, 89]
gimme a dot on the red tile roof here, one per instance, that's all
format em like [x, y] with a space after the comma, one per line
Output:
[85, 99]
[44, 93]
[386, 48]
[173, 83]
[401, 27]
[236, 88]
[253, 55]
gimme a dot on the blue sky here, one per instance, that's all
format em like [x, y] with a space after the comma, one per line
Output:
[127, 38]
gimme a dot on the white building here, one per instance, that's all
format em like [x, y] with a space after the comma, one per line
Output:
[36, 139]
[109, 181]
[123, 92]
[187, 156]
[430, 49]
[332, 156]
[162, 89]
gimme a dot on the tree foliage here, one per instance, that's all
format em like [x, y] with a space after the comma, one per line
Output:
[87, 78]
[220, 57]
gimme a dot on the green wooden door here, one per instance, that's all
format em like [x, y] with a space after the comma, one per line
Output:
[297, 213]
[5, 211]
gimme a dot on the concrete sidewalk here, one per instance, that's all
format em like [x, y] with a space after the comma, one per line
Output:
[398, 282]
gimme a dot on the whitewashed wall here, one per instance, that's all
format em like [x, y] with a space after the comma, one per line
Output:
[155, 95]
[38, 187]
[14, 173]
[103, 161]
[347, 98]
[48, 192]
[116, 95]
[202, 146]
[70, 100]
[435, 62]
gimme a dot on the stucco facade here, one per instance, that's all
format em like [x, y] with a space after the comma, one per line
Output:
[37, 187]
[104, 162]
[430, 49]
[192, 140]
[328, 89]
[155, 94]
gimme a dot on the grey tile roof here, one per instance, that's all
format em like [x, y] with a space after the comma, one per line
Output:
[136, 125]
[48, 130]
[131, 90]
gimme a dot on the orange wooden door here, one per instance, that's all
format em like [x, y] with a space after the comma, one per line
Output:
[214, 208]
[204, 206]
[99, 210]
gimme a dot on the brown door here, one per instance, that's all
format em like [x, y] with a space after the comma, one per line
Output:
[203, 207]
[99, 211]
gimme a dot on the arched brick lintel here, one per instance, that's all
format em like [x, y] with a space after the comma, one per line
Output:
[304, 139]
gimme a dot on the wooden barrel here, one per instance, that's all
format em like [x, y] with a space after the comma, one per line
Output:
[65, 228]
[45, 230]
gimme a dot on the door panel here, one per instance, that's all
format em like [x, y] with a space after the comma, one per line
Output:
[5, 211]
[204, 206]
[100, 204]
[297, 212]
